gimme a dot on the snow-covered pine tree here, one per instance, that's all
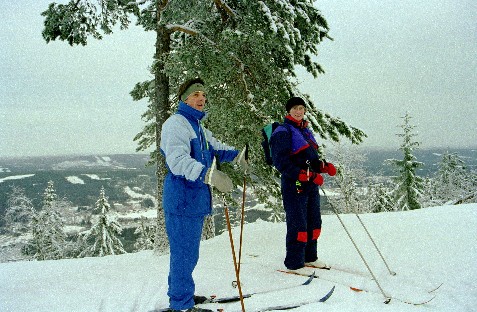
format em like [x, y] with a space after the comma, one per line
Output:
[146, 232]
[19, 212]
[103, 235]
[379, 199]
[409, 186]
[250, 65]
[350, 178]
[49, 238]
[76, 246]
[208, 231]
[453, 180]
[246, 51]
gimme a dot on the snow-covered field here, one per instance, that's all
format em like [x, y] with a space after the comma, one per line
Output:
[16, 177]
[426, 248]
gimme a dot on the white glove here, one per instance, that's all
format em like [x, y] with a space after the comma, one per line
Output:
[241, 160]
[218, 179]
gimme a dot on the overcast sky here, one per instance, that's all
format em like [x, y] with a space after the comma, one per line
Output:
[388, 57]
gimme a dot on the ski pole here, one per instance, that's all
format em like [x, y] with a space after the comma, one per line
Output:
[229, 228]
[387, 298]
[374, 243]
[375, 246]
[242, 217]
[237, 273]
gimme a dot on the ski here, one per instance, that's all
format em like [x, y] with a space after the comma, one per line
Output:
[214, 299]
[359, 273]
[341, 269]
[435, 288]
[356, 289]
[297, 305]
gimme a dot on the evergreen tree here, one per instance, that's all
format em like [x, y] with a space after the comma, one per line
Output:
[19, 212]
[49, 238]
[146, 233]
[77, 246]
[208, 231]
[246, 51]
[379, 199]
[427, 196]
[350, 176]
[409, 186]
[453, 181]
[104, 233]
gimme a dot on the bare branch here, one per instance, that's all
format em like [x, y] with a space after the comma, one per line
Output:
[189, 31]
[221, 4]
[181, 28]
[138, 2]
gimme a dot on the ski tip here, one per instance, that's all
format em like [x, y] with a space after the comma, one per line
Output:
[328, 295]
[435, 288]
[422, 302]
[308, 281]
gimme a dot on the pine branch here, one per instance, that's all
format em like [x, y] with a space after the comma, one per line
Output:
[138, 2]
[224, 6]
[181, 28]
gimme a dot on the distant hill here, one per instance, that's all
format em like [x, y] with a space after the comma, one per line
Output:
[131, 186]
[79, 178]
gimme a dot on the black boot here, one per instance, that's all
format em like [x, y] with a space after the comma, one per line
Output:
[200, 299]
[197, 309]
[194, 309]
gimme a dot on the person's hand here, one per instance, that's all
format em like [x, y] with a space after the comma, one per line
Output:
[306, 176]
[327, 167]
[323, 166]
[242, 160]
[218, 179]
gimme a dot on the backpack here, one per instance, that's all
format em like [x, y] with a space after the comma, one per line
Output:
[267, 131]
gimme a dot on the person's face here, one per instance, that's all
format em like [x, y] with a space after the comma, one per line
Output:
[297, 112]
[196, 100]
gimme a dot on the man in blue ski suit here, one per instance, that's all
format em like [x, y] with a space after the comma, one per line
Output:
[295, 155]
[189, 150]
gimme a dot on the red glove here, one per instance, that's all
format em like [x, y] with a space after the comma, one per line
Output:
[328, 168]
[306, 176]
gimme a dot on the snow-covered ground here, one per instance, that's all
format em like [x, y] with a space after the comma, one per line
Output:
[426, 248]
[16, 177]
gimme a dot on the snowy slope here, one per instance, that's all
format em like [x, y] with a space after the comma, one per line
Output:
[425, 247]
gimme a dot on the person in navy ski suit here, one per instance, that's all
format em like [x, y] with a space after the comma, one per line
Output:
[295, 155]
[189, 150]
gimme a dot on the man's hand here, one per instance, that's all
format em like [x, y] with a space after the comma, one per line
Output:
[242, 160]
[218, 179]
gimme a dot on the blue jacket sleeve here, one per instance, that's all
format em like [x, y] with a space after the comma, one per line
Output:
[223, 152]
[280, 143]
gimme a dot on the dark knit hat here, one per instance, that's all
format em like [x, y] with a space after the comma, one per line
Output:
[293, 102]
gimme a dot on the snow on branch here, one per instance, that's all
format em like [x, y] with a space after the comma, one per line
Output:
[239, 62]
[182, 28]
[187, 30]
[225, 6]
[138, 2]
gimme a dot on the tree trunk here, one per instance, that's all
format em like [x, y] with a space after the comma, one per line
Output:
[162, 112]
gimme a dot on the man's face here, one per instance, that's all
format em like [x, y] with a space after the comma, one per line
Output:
[196, 100]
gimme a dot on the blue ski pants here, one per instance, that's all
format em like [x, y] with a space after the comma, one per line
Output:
[184, 233]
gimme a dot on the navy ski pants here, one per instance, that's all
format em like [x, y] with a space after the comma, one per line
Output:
[303, 218]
